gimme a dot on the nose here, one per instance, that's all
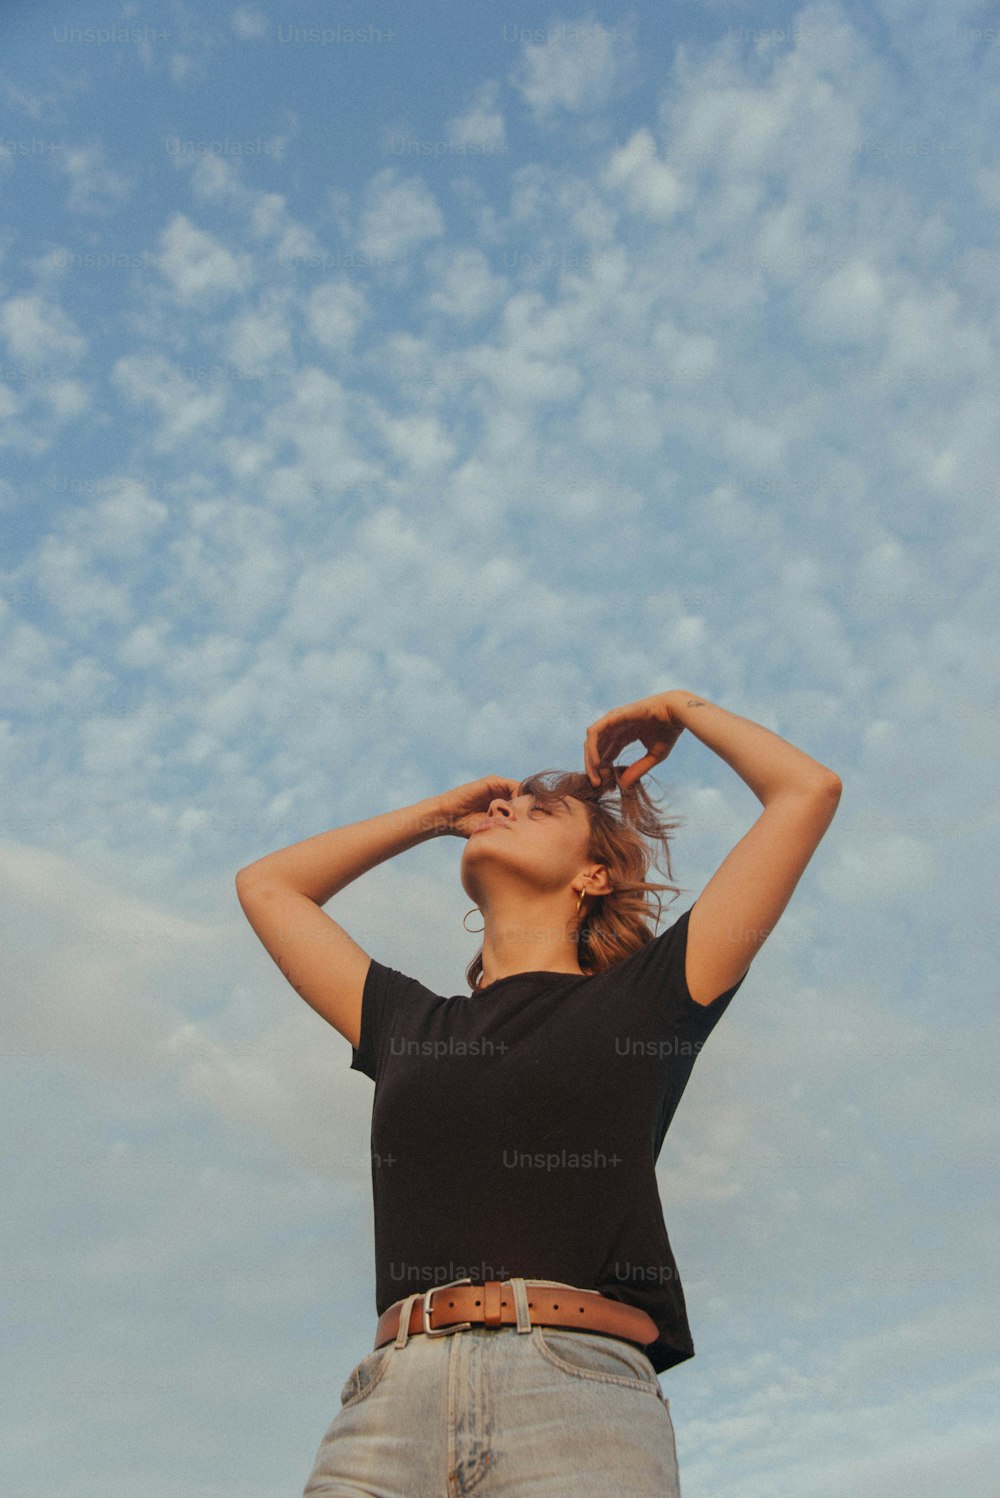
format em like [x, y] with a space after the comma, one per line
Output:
[499, 807]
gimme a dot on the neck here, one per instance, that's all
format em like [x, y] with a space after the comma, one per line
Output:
[529, 936]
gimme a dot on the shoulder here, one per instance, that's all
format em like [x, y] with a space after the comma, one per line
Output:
[663, 969]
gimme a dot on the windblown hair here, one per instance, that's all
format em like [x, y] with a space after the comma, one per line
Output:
[623, 826]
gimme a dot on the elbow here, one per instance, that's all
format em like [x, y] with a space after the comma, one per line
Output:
[824, 784]
[256, 882]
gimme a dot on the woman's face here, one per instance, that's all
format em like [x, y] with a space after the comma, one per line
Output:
[544, 844]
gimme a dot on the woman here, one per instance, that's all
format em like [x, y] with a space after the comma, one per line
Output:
[526, 1289]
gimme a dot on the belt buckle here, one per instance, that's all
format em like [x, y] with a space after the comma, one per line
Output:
[442, 1331]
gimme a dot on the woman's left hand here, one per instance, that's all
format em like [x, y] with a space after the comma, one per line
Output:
[651, 721]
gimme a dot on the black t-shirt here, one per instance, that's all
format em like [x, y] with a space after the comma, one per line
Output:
[515, 1131]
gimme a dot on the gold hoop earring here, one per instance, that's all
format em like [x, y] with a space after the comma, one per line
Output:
[466, 917]
[579, 902]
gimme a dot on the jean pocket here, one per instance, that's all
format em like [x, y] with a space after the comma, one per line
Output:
[365, 1375]
[594, 1356]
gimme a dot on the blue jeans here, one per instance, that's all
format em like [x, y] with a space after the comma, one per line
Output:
[500, 1412]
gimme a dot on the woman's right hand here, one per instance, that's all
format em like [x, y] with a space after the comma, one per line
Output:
[464, 807]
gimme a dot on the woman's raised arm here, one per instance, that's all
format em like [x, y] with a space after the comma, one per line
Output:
[281, 894]
[741, 903]
[321, 866]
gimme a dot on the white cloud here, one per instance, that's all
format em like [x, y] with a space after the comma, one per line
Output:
[399, 215]
[466, 287]
[10, 403]
[37, 331]
[801, 122]
[66, 399]
[578, 66]
[481, 127]
[232, 569]
[849, 305]
[145, 646]
[690, 357]
[317, 417]
[649, 186]
[753, 444]
[256, 341]
[94, 186]
[184, 406]
[629, 417]
[519, 377]
[68, 583]
[88, 570]
[882, 868]
[183, 68]
[197, 265]
[123, 522]
[335, 312]
[285, 1084]
[214, 179]
[298, 245]
[83, 960]
[28, 101]
[421, 442]
[248, 24]
[268, 213]
[931, 338]
[987, 181]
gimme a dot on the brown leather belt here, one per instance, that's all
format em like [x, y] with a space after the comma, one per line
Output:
[456, 1307]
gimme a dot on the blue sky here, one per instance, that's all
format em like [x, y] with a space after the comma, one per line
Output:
[386, 393]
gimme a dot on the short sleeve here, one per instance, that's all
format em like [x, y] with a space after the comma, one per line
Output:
[659, 969]
[385, 991]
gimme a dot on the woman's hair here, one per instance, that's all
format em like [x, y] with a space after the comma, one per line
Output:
[623, 825]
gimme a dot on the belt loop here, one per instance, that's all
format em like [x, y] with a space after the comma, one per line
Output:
[492, 1293]
[521, 1303]
[404, 1320]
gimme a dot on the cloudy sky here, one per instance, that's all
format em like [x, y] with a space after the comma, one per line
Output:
[385, 393]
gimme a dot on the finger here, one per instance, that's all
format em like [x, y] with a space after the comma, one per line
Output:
[591, 753]
[602, 769]
[501, 785]
[613, 745]
[605, 739]
[595, 736]
[637, 769]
